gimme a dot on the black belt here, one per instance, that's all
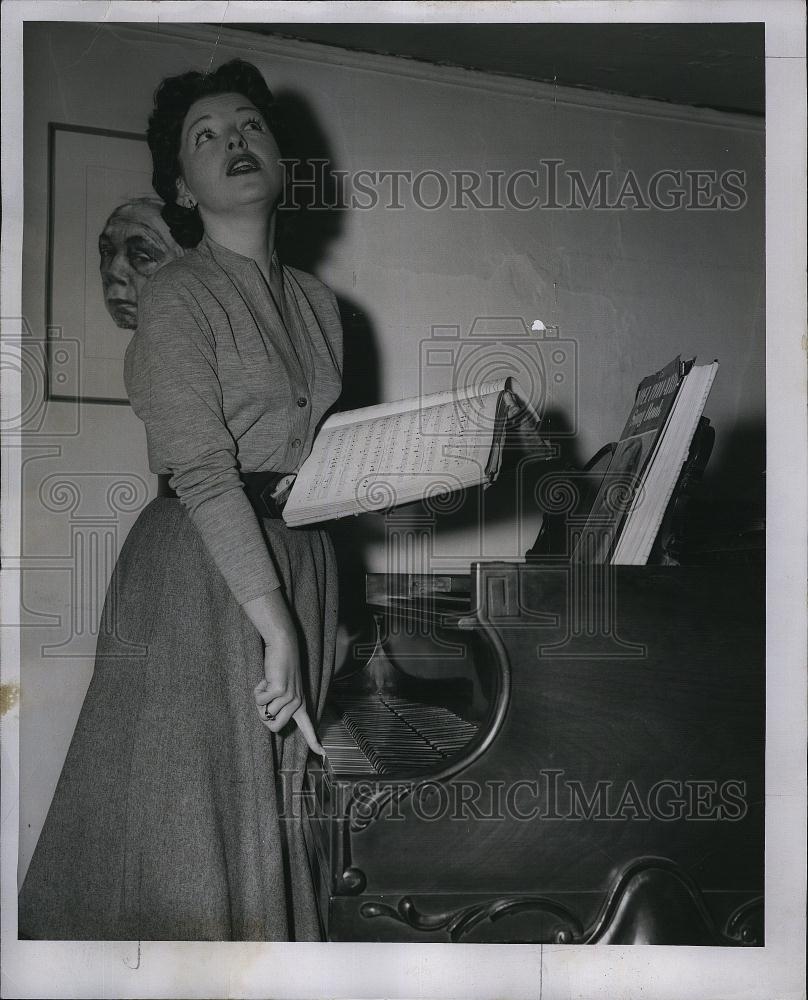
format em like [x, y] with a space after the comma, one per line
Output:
[257, 485]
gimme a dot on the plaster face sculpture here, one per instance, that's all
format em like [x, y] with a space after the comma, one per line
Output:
[134, 243]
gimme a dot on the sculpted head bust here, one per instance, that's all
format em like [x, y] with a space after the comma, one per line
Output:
[134, 243]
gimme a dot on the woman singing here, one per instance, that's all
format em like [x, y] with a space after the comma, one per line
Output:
[176, 812]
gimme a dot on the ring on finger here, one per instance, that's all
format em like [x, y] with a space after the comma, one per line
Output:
[268, 715]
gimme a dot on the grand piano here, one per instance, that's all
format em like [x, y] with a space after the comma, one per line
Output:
[548, 752]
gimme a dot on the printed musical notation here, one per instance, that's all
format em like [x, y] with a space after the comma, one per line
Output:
[378, 457]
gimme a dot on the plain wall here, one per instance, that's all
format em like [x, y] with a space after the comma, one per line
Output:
[631, 289]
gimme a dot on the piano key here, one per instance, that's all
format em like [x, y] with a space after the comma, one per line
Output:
[382, 734]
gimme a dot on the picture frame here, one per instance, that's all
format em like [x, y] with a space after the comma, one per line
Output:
[91, 171]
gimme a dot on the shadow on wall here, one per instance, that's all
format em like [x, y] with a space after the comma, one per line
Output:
[725, 513]
[311, 222]
[733, 497]
[516, 495]
[310, 215]
[736, 476]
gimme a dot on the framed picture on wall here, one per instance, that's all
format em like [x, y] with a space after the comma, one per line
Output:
[105, 238]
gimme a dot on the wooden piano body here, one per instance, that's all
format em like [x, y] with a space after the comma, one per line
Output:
[560, 754]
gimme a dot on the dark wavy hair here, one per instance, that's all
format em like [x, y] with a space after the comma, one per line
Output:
[172, 99]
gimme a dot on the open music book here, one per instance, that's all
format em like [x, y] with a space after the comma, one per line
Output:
[645, 466]
[378, 457]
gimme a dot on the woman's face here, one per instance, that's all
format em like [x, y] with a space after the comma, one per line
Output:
[228, 157]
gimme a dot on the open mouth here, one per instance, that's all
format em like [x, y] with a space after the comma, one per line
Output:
[244, 163]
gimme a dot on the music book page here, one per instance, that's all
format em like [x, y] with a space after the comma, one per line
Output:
[411, 449]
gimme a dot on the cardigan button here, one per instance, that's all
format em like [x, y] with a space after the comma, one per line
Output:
[296, 443]
[301, 401]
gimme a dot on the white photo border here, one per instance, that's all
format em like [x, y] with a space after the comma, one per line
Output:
[152, 969]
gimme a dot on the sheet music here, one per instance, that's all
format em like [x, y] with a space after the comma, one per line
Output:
[416, 403]
[410, 450]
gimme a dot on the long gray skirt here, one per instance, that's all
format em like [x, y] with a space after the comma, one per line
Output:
[177, 814]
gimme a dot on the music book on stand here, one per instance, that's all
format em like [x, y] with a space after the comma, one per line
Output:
[646, 463]
[378, 457]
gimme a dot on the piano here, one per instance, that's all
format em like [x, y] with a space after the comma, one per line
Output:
[547, 752]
